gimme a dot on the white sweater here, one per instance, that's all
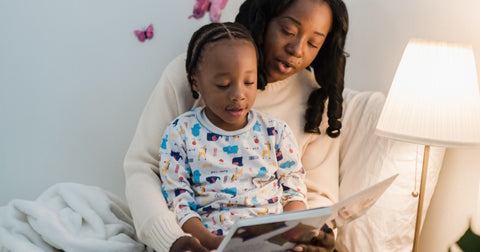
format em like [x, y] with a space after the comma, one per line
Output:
[155, 224]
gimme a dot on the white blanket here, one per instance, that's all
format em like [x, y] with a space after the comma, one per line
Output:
[70, 217]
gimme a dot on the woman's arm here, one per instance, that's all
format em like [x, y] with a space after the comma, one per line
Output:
[321, 162]
[155, 224]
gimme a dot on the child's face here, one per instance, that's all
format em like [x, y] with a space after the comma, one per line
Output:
[226, 78]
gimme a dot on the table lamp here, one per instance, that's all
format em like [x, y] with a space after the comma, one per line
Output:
[434, 100]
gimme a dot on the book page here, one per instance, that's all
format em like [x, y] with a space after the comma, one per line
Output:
[357, 204]
[278, 232]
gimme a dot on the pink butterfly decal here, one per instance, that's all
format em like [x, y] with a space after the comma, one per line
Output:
[216, 9]
[199, 9]
[147, 34]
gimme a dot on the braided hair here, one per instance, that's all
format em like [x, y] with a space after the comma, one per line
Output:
[212, 33]
[328, 66]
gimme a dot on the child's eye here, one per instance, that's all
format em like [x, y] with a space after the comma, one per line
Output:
[249, 82]
[222, 86]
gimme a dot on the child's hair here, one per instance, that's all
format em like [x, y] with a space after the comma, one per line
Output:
[328, 67]
[211, 33]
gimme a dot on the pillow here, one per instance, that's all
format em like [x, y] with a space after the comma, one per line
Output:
[366, 159]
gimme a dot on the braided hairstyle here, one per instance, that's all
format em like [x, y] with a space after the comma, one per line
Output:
[328, 66]
[211, 33]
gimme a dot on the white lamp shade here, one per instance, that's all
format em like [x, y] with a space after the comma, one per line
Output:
[434, 98]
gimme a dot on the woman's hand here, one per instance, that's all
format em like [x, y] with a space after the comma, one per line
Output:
[323, 242]
[187, 243]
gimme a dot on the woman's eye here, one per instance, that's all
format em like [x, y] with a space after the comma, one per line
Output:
[287, 32]
[312, 45]
[249, 82]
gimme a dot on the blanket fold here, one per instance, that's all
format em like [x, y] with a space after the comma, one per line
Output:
[68, 217]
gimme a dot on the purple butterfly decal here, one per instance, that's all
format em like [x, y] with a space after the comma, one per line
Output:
[147, 34]
[199, 9]
[216, 8]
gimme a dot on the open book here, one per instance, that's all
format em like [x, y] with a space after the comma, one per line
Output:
[278, 232]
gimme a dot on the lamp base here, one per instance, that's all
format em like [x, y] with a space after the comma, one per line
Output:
[423, 181]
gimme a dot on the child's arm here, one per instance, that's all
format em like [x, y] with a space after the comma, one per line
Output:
[175, 175]
[294, 206]
[195, 227]
[291, 174]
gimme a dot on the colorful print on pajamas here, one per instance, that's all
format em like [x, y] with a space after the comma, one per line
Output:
[222, 176]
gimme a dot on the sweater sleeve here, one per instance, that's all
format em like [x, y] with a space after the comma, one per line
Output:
[321, 162]
[154, 223]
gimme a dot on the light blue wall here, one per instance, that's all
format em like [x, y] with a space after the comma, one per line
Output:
[380, 30]
[73, 82]
[74, 79]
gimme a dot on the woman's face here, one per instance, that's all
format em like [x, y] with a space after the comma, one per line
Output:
[293, 38]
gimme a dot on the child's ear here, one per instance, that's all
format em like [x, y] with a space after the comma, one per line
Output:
[194, 82]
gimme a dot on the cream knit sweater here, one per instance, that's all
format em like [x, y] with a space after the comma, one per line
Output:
[155, 224]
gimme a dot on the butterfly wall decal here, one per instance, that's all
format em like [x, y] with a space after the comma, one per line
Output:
[215, 8]
[200, 8]
[146, 34]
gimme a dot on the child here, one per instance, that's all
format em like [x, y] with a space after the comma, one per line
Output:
[224, 162]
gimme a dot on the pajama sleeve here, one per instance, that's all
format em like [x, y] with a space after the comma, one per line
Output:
[175, 174]
[290, 173]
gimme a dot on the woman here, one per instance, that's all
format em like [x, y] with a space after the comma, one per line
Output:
[293, 35]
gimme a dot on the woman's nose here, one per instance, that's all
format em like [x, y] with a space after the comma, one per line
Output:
[295, 47]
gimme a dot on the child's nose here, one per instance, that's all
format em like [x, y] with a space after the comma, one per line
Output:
[238, 92]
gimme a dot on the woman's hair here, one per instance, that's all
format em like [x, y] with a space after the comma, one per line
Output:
[212, 33]
[328, 66]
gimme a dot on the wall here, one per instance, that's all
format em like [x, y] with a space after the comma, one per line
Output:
[379, 31]
[456, 202]
[74, 80]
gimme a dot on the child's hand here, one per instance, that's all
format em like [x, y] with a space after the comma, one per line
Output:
[187, 243]
[215, 241]
[195, 227]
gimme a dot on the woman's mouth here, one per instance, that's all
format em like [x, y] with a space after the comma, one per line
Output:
[284, 67]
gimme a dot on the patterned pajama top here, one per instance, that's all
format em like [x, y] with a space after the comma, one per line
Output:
[222, 176]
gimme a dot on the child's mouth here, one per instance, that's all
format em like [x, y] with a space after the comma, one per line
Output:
[235, 111]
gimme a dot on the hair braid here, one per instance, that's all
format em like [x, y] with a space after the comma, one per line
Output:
[329, 71]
